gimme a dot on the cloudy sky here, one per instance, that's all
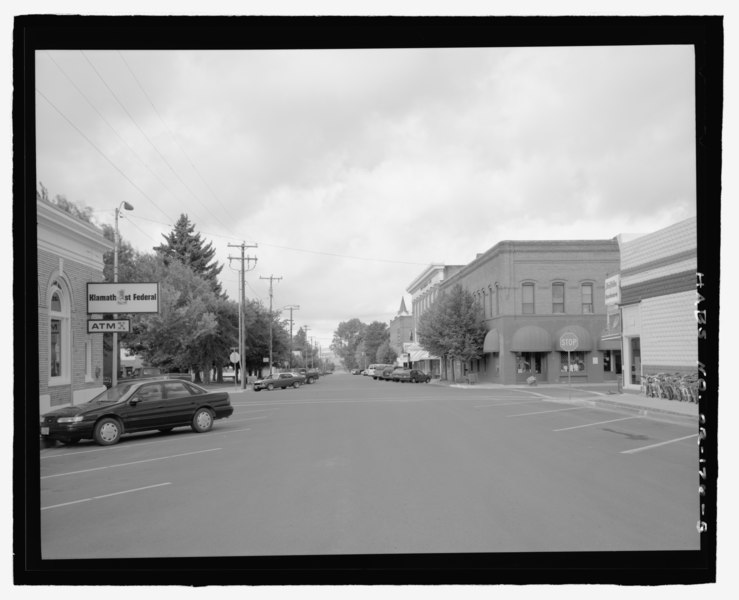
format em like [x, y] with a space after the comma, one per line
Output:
[352, 170]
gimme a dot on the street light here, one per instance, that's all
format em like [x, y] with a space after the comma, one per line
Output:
[117, 241]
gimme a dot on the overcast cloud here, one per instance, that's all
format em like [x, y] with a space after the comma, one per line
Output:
[352, 170]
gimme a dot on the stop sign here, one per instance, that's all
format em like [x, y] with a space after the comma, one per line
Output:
[234, 357]
[568, 342]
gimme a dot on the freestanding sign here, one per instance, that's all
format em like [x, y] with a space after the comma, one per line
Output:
[569, 342]
[108, 325]
[104, 298]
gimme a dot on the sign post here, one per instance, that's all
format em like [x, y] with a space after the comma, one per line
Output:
[234, 358]
[569, 342]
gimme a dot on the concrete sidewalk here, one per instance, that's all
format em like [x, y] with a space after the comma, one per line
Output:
[605, 395]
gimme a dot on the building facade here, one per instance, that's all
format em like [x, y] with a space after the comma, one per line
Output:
[657, 301]
[70, 254]
[401, 332]
[531, 294]
[423, 290]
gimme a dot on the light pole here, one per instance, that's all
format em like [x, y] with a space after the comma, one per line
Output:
[117, 241]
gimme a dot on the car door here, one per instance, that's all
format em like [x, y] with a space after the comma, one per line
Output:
[144, 408]
[180, 403]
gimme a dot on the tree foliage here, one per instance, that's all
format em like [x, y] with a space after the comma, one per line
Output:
[347, 337]
[186, 246]
[385, 354]
[453, 326]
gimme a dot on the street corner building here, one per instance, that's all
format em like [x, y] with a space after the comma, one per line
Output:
[70, 255]
[531, 293]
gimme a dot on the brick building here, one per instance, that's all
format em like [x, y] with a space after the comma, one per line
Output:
[424, 290]
[531, 293]
[70, 254]
[657, 297]
[401, 332]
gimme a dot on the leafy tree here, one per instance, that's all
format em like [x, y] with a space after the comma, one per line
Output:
[385, 354]
[83, 213]
[186, 246]
[347, 337]
[186, 333]
[375, 335]
[453, 326]
[127, 258]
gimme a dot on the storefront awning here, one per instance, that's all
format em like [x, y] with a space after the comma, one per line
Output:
[531, 338]
[492, 342]
[585, 342]
[416, 352]
[609, 344]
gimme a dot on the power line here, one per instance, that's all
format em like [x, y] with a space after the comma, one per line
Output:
[171, 135]
[148, 139]
[89, 141]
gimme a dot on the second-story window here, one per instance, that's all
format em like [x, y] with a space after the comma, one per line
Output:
[587, 298]
[528, 299]
[558, 297]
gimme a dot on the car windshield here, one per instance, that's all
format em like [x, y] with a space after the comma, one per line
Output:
[113, 394]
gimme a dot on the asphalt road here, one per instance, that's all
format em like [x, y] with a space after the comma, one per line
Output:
[353, 466]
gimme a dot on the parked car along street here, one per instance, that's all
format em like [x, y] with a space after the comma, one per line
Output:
[279, 380]
[161, 404]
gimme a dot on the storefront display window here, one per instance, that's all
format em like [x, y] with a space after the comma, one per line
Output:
[530, 363]
[576, 362]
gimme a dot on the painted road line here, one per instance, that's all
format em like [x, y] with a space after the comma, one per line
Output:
[508, 404]
[543, 412]
[598, 423]
[148, 487]
[136, 462]
[635, 450]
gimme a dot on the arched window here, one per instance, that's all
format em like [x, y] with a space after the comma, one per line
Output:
[60, 348]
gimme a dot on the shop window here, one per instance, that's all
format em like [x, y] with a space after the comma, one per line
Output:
[587, 298]
[558, 297]
[576, 362]
[529, 363]
[59, 335]
[528, 298]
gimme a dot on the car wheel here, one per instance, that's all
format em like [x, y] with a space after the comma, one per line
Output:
[107, 431]
[296, 385]
[270, 387]
[202, 421]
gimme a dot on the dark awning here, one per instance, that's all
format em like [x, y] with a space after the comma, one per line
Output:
[531, 338]
[585, 343]
[492, 342]
[609, 344]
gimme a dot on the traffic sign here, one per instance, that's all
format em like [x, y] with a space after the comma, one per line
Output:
[234, 357]
[569, 342]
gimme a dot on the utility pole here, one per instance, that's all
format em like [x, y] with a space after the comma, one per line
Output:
[242, 270]
[291, 308]
[306, 328]
[271, 279]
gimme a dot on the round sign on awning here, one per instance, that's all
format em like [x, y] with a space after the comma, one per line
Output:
[234, 357]
[569, 342]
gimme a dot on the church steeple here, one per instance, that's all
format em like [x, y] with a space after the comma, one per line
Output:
[402, 311]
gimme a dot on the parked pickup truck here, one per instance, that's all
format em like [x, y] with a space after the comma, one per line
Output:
[279, 380]
[310, 375]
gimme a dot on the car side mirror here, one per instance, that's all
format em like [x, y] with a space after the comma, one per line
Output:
[134, 401]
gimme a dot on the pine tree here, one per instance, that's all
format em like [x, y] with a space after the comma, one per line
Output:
[186, 246]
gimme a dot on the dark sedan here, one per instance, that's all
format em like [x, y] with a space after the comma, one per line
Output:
[161, 404]
[418, 376]
[279, 380]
